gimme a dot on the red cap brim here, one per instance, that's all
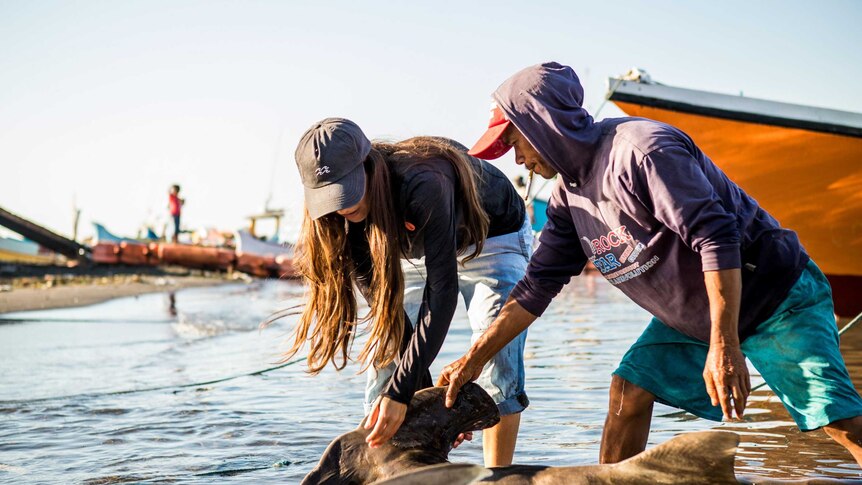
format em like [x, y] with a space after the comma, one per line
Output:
[491, 146]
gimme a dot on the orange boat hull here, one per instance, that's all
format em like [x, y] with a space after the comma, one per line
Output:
[196, 256]
[138, 254]
[265, 266]
[106, 253]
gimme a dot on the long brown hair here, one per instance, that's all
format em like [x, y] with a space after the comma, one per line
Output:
[329, 319]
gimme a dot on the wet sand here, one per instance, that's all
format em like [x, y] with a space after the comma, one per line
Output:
[60, 290]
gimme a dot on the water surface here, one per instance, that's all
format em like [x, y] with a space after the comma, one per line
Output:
[118, 393]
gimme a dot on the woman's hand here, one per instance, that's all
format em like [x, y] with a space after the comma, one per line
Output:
[461, 437]
[386, 417]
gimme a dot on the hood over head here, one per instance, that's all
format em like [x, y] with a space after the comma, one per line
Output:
[545, 103]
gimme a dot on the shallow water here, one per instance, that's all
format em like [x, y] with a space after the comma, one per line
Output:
[66, 415]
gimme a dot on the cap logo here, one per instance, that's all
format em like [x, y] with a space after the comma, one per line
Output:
[321, 170]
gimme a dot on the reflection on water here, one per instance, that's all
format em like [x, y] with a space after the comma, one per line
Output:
[274, 426]
[172, 303]
[772, 445]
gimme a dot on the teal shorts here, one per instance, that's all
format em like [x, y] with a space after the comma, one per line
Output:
[795, 350]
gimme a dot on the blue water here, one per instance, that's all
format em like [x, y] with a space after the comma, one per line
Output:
[65, 415]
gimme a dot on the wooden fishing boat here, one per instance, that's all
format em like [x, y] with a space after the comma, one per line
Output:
[24, 252]
[256, 257]
[248, 243]
[44, 237]
[261, 257]
[802, 164]
[103, 235]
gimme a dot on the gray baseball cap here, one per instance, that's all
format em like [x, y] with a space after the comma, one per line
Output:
[330, 158]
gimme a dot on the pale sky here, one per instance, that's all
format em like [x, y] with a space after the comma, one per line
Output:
[104, 104]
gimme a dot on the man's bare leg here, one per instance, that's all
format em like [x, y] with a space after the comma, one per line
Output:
[627, 425]
[848, 433]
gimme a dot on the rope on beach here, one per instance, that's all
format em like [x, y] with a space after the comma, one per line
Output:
[151, 389]
[840, 333]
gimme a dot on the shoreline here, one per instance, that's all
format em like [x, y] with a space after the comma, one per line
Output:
[21, 292]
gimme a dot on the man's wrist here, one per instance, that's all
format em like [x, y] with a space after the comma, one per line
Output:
[476, 356]
[471, 356]
[724, 340]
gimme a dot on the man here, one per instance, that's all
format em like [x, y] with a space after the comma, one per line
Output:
[175, 206]
[668, 228]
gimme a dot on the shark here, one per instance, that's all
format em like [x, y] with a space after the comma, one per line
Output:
[418, 454]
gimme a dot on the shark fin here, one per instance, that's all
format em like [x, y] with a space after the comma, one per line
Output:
[702, 457]
[448, 473]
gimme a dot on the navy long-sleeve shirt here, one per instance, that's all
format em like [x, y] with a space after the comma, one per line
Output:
[428, 196]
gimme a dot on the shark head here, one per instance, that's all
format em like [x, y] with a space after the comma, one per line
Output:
[424, 438]
[431, 426]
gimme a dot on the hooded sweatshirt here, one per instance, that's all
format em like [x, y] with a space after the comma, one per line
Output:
[652, 212]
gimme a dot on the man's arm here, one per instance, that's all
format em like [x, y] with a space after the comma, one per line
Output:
[558, 257]
[725, 373]
[673, 182]
[511, 321]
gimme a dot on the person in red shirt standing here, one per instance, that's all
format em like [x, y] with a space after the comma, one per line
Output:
[175, 205]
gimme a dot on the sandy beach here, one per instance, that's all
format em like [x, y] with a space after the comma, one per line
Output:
[34, 288]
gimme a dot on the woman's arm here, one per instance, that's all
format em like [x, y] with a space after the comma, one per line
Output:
[431, 208]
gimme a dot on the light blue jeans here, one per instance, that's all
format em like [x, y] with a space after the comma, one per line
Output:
[485, 283]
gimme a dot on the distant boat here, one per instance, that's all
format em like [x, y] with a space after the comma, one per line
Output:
[24, 251]
[802, 164]
[252, 256]
[248, 244]
[46, 238]
[103, 235]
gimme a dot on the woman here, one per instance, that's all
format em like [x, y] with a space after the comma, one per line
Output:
[423, 200]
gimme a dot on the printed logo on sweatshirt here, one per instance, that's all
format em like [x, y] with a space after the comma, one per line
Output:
[611, 266]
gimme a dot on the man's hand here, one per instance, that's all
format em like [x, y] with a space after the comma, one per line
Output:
[455, 375]
[726, 376]
[386, 417]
